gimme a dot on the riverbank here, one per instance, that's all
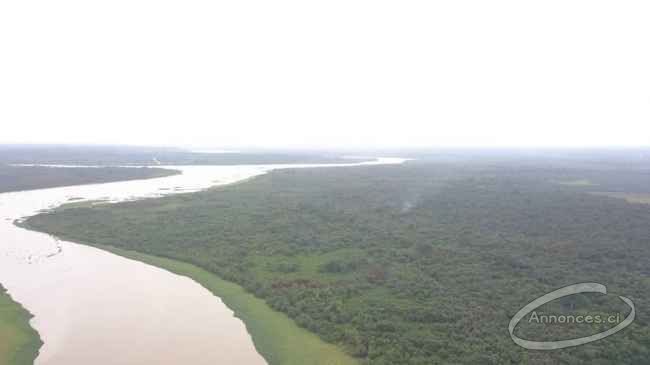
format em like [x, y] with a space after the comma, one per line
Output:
[276, 337]
[19, 342]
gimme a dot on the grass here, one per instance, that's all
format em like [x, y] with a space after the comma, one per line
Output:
[81, 204]
[635, 198]
[276, 337]
[19, 342]
[582, 182]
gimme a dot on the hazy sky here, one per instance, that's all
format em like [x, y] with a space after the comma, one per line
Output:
[326, 73]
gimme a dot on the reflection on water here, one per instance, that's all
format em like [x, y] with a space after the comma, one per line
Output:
[93, 307]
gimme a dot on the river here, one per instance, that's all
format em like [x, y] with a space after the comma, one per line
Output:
[93, 307]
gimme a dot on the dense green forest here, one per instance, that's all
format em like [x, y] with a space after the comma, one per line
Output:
[423, 263]
[16, 178]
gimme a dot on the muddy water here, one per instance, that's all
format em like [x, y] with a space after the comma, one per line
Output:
[94, 307]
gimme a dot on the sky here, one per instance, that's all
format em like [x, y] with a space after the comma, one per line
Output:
[330, 73]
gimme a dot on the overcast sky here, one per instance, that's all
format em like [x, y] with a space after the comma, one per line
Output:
[326, 73]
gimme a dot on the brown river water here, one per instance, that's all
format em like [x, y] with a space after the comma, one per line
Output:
[94, 307]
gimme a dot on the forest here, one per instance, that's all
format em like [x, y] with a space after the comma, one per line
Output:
[421, 263]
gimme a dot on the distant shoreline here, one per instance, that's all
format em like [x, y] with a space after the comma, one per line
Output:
[36, 177]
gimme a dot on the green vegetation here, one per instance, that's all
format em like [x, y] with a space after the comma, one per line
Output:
[19, 343]
[414, 264]
[577, 183]
[16, 178]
